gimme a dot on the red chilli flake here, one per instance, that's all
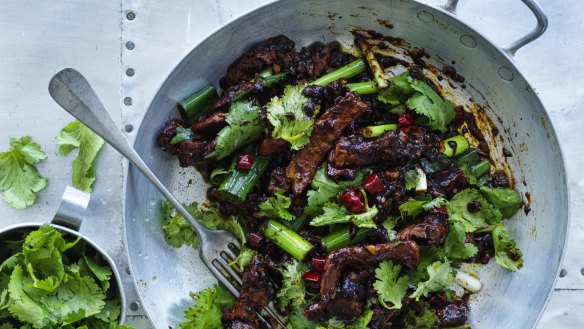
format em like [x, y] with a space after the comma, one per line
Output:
[405, 120]
[353, 201]
[317, 264]
[312, 280]
[244, 161]
[374, 185]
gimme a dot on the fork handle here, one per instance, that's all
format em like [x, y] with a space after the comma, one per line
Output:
[71, 90]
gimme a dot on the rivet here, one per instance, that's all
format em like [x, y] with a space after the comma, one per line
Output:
[506, 74]
[563, 273]
[130, 45]
[130, 15]
[128, 101]
[468, 41]
[130, 72]
[425, 17]
[134, 306]
[129, 128]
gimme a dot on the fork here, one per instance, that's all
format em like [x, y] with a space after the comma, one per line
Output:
[219, 248]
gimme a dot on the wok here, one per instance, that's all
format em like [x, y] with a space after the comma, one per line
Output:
[164, 276]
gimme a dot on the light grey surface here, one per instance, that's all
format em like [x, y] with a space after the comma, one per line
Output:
[87, 36]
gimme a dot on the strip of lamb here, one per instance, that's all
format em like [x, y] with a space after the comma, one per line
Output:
[314, 60]
[430, 231]
[277, 51]
[327, 129]
[406, 253]
[256, 292]
[393, 147]
[165, 136]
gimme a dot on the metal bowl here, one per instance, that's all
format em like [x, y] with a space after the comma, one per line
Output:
[164, 275]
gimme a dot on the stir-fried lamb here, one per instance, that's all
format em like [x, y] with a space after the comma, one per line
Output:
[358, 192]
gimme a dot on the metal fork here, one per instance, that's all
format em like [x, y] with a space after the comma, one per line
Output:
[218, 248]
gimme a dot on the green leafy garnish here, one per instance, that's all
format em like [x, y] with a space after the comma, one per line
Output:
[286, 114]
[209, 305]
[182, 134]
[506, 252]
[399, 89]
[276, 207]
[505, 199]
[244, 258]
[362, 322]
[440, 275]
[325, 189]
[414, 207]
[455, 245]
[77, 136]
[19, 178]
[243, 127]
[424, 319]
[292, 292]
[299, 321]
[177, 231]
[390, 286]
[337, 214]
[472, 221]
[47, 286]
[437, 112]
[412, 178]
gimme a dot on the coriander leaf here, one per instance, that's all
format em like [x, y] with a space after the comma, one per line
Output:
[412, 178]
[505, 199]
[19, 178]
[325, 189]
[389, 285]
[292, 291]
[42, 251]
[437, 112]
[244, 258]
[440, 275]
[299, 321]
[110, 311]
[23, 307]
[182, 134]
[414, 207]
[102, 273]
[243, 127]
[424, 319]
[77, 136]
[472, 221]
[506, 252]
[276, 206]
[337, 214]
[286, 114]
[362, 322]
[77, 298]
[177, 231]
[209, 305]
[399, 88]
[455, 246]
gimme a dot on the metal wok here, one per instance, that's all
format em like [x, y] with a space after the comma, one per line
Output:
[164, 276]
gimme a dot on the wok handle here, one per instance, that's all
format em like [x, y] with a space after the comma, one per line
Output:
[511, 48]
[72, 208]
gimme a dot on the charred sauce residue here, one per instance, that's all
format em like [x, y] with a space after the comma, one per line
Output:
[527, 205]
[385, 22]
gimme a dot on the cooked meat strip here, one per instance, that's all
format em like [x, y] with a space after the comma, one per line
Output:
[167, 134]
[447, 182]
[210, 123]
[257, 291]
[192, 152]
[394, 147]
[340, 173]
[430, 231]
[230, 94]
[348, 302]
[452, 314]
[326, 131]
[278, 181]
[270, 146]
[274, 51]
[405, 252]
[312, 61]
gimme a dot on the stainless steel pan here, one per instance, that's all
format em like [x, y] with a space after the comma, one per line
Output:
[164, 275]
